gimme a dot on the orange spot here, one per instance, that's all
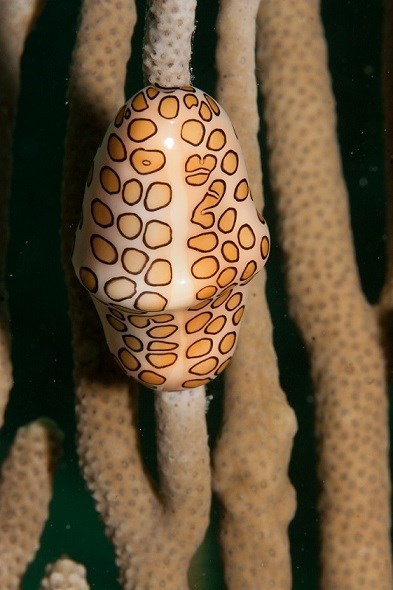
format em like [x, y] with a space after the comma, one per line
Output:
[129, 360]
[265, 245]
[230, 162]
[205, 267]
[246, 237]
[150, 301]
[204, 367]
[151, 378]
[227, 220]
[204, 242]
[216, 140]
[134, 343]
[226, 276]
[139, 102]
[119, 288]
[116, 323]
[101, 213]
[169, 107]
[147, 161]
[134, 260]
[193, 132]
[141, 129]
[216, 325]
[103, 250]
[207, 292]
[116, 148]
[198, 322]
[161, 361]
[200, 348]
[241, 190]
[88, 279]
[227, 343]
[132, 191]
[110, 181]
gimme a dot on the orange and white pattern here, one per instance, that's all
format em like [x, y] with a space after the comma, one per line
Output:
[170, 237]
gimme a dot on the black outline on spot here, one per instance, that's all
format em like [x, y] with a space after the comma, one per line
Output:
[224, 271]
[148, 151]
[166, 98]
[87, 269]
[144, 138]
[147, 193]
[187, 140]
[92, 237]
[148, 224]
[209, 110]
[230, 243]
[236, 188]
[253, 272]
[150, 293]
[208, 139]
[111, 317]
[237, 305]
[128, 346]
[203, 235]
[205, 276]
[131, 272]
[161, 355]
[223, 338]
[192, 369]
[172, 345]
[106, 207]
[116, 279]
[151, 385]
[122, 145]
[253, 233]
[149, 269]
[102, 184]
[124, 188]
[224, 317]
[212, 104]
[209, 313]
[193, 105]
[123, 363]
[227, 231]
[210, 340]
[200, 298]
[141, 93]
[237, 162]
[120, 231]
[149, 332]
[242, 307]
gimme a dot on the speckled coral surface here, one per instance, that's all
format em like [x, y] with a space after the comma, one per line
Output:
[25, 493]
[337, 324]
[155, 532]
[252, 455]
[64, 574]
[167, 47]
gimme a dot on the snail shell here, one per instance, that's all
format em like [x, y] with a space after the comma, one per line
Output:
[170, 237]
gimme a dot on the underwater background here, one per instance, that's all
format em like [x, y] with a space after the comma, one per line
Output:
[41, 334]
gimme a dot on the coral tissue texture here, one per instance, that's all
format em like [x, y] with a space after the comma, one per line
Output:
[252, 455]
[25, 493]
[64, 574]
[338, 325]
[167, 47]
[155, 532]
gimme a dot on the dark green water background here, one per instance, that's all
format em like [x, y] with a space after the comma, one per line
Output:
[38, 301]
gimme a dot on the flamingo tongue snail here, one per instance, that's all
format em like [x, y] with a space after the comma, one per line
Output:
[170, 238]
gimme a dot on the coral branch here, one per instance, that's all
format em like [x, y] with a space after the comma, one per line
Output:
[25, 493]
[16, 19]
[167, 48]
[63, 575]
[252, 454]
[338, 325]
[154, 534]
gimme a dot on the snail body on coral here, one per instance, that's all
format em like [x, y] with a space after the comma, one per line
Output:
[170, 237]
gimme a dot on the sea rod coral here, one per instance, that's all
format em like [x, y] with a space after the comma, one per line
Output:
[157, 523]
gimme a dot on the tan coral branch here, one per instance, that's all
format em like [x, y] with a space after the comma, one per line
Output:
[154, 534]
[167, 47]
[338, 325]
[252, 454]
[64, 574]
[25, 493]
[16, 19]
